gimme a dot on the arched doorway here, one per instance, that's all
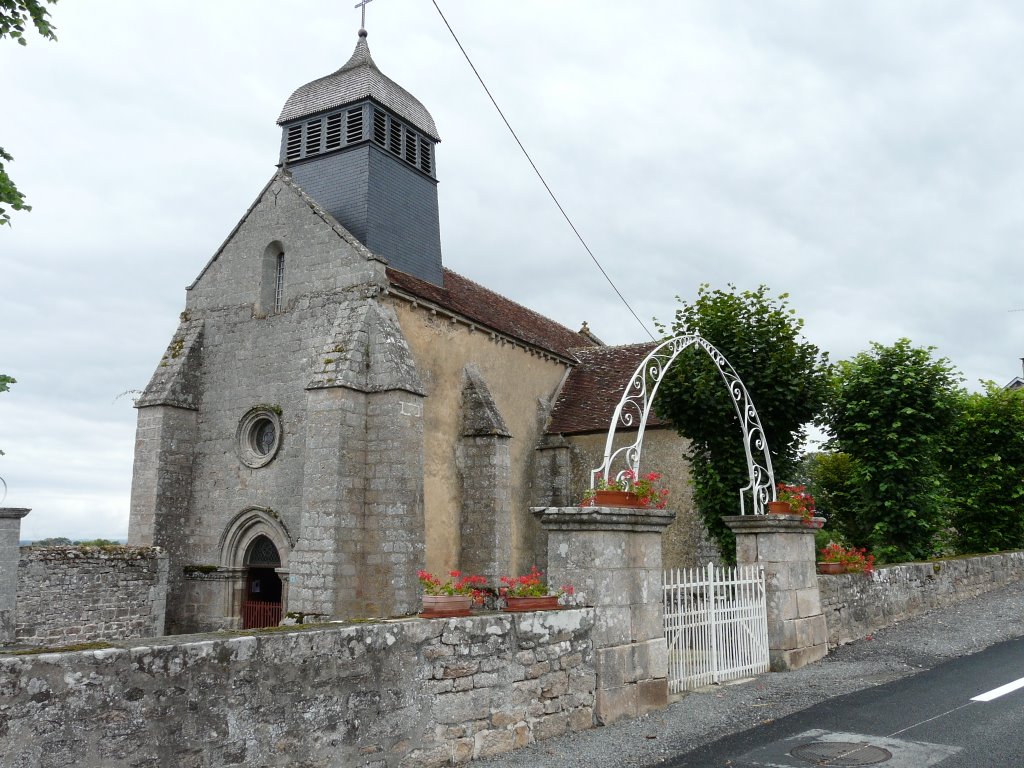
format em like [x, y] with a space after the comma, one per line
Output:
[261, 605]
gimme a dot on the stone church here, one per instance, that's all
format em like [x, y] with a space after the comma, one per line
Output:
[337, 410]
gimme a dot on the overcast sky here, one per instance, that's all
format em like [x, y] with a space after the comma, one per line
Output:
[866, 157]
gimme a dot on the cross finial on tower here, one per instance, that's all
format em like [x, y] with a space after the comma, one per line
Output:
[361, 5]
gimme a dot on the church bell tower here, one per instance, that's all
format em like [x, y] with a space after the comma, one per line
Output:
[364, 148]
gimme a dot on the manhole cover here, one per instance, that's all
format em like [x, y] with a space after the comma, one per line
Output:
[841, 753]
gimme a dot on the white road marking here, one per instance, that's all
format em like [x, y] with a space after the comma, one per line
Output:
[1002, 690]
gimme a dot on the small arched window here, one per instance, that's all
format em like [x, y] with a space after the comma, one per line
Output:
[279, 283]
[271, 297]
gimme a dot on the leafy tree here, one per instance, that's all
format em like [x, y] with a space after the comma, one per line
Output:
[15, 17]
[986, 484]
[890, 410]
[786, 376]
[832, 483]
[53, 541]
[5, 385]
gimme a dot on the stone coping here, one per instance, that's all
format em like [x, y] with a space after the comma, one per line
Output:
[232, 635]
[770, 523]
[637, 520]
[13, 513]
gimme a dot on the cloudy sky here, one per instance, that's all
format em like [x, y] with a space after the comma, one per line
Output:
[866, 157]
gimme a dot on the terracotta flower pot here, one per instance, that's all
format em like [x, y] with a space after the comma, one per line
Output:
[520, 604]
[444, 606]
[831, 568]
[616, 499]
[780, 508]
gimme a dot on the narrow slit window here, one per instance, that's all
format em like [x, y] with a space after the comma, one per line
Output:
[279, 285]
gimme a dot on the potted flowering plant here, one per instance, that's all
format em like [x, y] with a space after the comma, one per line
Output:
[835, 558]
[629, 490]
[796, 499]
[452, 597]
[531, 592]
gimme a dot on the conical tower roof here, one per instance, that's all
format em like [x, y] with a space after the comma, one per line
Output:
[358, 79]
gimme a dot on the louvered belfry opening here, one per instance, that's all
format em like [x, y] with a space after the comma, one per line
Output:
[363, 148]
[262, 605]
[322, 135]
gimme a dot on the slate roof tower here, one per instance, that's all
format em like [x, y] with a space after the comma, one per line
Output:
[364, 148]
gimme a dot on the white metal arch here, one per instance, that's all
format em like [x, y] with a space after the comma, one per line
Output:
[635, 406]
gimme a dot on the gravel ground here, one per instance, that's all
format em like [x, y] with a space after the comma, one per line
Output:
[704, 716]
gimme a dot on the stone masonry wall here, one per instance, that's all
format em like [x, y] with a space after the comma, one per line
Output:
[856, 605]
[69, 595]
[400, 693]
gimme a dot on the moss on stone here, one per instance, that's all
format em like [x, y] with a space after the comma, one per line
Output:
[91, 646]
[195, 568]
[177, 346]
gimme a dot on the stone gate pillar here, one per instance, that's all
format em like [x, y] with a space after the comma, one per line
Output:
[10, 535]
[612, 556]
[784, 545]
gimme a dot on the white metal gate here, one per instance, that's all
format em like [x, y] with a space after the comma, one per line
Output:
[716, 625]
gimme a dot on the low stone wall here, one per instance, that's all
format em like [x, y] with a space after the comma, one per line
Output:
[403, 693]
[856, 605]
[69, 595]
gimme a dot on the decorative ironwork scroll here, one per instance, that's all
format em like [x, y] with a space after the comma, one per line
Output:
[635, 408]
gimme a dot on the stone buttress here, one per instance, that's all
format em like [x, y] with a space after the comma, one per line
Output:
[361, 539]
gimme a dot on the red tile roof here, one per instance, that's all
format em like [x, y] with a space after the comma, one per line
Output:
[491, 310]
[595, 386]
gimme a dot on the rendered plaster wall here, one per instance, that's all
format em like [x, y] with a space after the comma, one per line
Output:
[685, 543]
[521, 383]
[404, 693]
[855, 604]
[69, 595]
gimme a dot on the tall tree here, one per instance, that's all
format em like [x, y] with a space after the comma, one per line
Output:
[5, 384]
[786, 376]
[15, 17]
[986, 471]
[890, 411]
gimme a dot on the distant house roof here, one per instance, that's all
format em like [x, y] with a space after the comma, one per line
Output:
[493, 311]
[358, 79]
[1016, 384]
[595, 386]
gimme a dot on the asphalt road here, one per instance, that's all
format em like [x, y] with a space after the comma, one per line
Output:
[934, 718]
[773, 704]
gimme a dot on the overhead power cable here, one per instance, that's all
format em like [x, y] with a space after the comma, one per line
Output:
[539, 174]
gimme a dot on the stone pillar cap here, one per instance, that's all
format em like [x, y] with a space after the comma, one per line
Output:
[13, 513]
[772, 523]
[638, 520]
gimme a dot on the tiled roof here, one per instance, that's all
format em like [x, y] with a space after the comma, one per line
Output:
[493, 311]
[595, 386]
[358, 79]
